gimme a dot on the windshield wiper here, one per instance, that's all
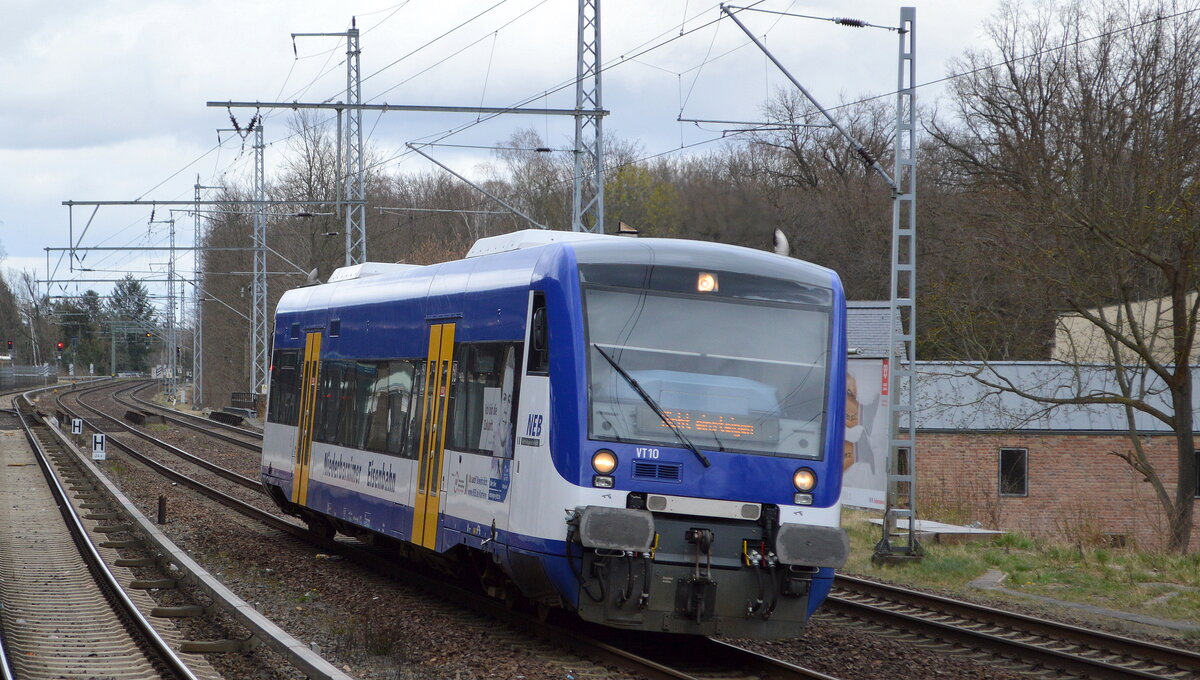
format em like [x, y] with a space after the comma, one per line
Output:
[654, 406]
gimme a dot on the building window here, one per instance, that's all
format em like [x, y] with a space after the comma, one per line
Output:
[1014, 468]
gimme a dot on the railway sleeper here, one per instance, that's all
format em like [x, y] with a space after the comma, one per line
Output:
[187, 611]
[153, 584]
[211, 646]
[144, 418]
[120, 545]
[135, 562]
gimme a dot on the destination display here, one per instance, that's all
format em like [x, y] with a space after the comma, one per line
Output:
[725, 426]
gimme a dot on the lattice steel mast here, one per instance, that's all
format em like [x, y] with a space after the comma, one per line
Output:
[350, 129]
[198, 322]
[902, 458]
[587, 204]
[172, 336]
[170, 340]
[587, 209]
[197, 308]
[356, 193]
[259, 327]
[902, 454]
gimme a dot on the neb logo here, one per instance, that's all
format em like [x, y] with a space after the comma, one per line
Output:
[533, 427]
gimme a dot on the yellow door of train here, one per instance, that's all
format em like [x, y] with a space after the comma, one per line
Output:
[438, 376]
[308, 409]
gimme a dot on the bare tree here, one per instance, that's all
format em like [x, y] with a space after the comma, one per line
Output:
[1081, 145]
[310, 237]
[832, 207]
[38, 332]
[12, 321]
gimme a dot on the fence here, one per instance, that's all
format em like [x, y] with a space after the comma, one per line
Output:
[247, 401]
[12, 377]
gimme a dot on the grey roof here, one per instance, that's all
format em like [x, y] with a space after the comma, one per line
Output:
[950, 398]
[867, 327]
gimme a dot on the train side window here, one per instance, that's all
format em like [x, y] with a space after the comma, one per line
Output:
[412, 445]
[485, 397]
[375, 409]
[400, 397]
[283, 407]
[539, 333]
[328, 399]
[356, 382]
[387, 407]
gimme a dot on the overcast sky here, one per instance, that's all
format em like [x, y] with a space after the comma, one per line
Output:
[105, 99]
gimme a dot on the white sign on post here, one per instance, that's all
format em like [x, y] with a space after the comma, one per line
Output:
[98, 447]
[77, 426]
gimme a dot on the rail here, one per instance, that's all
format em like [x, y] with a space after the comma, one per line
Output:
[1072, 649]
[734, 658]
[263, 629]
[92, 556]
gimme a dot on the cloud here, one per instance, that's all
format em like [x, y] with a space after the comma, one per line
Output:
[106, 99]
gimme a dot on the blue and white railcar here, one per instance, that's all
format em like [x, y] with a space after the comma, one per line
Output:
[647, 432]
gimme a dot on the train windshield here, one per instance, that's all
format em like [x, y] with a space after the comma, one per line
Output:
[732, 374]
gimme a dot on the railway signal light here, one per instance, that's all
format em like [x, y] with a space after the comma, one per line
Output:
[60, 346]
[10, 345]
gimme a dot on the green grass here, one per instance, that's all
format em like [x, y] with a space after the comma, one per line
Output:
[1124, 579]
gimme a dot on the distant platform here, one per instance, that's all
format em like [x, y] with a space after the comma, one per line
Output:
[942, 532]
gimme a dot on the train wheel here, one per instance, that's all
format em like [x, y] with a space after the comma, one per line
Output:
[493, 581]
[321, 527]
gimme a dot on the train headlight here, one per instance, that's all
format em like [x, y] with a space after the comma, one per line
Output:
[604, 461]
[706, 283]
[804, 479]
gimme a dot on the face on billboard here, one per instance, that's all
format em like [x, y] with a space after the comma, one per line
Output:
[852, 420]
[864, 458]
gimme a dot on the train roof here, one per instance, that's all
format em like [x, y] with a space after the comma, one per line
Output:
[501, 261]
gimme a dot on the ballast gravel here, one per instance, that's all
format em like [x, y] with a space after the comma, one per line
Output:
[374, 627]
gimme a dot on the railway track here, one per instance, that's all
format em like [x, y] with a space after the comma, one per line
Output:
[190, 592]
[120, 425]
[1022, 644]
[667, 658]
[238, 436]
[1032, 643]
[1056, 649]
[91, 627]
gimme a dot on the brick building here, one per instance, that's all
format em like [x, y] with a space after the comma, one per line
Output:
[1004, 461]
